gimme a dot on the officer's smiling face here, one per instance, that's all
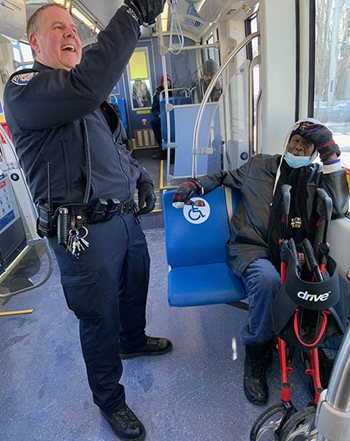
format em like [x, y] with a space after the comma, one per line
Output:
[56, 43]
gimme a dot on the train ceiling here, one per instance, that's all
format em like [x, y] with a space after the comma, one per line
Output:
[98, 13]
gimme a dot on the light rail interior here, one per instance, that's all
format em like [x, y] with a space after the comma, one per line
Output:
[275, 62]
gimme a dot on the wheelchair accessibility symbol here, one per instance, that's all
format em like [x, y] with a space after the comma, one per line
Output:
[196, 211]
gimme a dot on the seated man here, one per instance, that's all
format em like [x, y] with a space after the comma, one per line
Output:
[156, 118]
[209, 69]
[253, 249]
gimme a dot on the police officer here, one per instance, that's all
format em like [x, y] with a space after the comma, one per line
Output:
[68, 142]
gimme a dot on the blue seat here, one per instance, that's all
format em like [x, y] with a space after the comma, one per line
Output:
[122, 108]
[196, 252]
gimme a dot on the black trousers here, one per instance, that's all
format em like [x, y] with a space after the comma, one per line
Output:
[106, 287]
[156, 127]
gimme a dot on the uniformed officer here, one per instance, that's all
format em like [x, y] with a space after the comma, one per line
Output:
[83, 180]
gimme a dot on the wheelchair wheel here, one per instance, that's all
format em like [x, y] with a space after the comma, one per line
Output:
[269, 422]
[300, 426]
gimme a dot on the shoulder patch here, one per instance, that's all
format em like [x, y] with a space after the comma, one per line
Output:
[23, 79]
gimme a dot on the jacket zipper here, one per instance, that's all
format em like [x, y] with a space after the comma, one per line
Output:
[122, 169]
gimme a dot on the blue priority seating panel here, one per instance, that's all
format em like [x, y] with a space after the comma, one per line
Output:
[175, 101]
[196, 239]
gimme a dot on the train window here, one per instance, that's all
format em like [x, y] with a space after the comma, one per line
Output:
[251, 26]
[22, 54]
[140, 80]
[332, 70]
[212, 52]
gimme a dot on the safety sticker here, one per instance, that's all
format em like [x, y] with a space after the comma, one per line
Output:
[196, 211]
[23, 79]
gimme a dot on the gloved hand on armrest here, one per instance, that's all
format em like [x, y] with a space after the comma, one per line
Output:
[186, 191]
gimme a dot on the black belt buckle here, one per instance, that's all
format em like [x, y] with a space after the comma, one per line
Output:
[112, 209]
[125, 208]
[99, 211]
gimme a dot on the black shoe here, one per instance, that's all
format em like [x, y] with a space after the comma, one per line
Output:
[257, 359]
[153, 346]
[125, 424]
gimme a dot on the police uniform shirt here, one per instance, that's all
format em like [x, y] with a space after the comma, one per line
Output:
[53, 113]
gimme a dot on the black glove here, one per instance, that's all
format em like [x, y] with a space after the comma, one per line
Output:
[146, 196]
[146, 10]
[185, 191]
[322, 139]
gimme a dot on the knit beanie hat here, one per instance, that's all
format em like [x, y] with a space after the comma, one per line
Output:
[209, 67]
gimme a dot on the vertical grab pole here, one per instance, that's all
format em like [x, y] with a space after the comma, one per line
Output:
[333, 411]
[163, 52]
[210, 88]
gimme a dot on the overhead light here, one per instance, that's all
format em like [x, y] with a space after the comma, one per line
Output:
[65, 3]
[82, 17]
[79, 15]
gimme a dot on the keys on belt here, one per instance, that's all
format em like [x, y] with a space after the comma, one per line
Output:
[71, 232]
[76, 242]
[72, 221]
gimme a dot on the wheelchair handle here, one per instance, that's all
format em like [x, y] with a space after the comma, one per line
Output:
[327, 201]
[286, 205]
[286, 198]
[294, 252]
[311, 260]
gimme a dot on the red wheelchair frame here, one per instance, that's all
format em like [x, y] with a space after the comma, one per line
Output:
[289, 419]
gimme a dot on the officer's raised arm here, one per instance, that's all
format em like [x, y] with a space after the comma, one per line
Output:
[68, 76]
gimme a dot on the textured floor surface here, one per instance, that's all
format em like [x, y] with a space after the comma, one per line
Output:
[191, 394]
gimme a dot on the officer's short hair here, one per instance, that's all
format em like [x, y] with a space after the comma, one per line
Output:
[33, 23]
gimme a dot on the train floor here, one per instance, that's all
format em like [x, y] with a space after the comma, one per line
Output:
[193, 393]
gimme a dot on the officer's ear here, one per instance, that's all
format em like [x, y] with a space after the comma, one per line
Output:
[34, 43]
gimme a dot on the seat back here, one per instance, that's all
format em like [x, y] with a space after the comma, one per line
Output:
[196, 235]
[175, 101]
[196, 238]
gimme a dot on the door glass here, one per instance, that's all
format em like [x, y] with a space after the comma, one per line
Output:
[332, 70]
[140, 81]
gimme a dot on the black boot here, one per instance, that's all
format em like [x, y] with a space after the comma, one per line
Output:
[125, 424]
[257, 358]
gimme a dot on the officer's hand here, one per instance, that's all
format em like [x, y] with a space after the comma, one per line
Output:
[147, 198]
[185, 191]
[322, 139]
[146, 10]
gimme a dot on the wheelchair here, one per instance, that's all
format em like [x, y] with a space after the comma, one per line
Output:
[307, 311]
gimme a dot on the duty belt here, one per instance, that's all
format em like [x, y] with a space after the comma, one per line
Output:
[69, 222]
[103, 210]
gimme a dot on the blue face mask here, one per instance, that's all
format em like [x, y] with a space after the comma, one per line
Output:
[296, 161]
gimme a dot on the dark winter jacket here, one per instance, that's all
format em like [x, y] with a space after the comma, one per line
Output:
[251, 224]
[54, 114]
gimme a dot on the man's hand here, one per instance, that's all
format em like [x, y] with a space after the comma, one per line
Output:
[322, 139]
[185, 191]
[147, 198]
[146, 10]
